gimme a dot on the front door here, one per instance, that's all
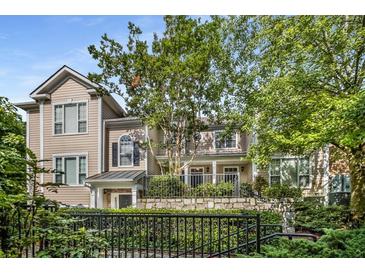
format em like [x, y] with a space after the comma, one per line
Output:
[196, 176]
[121, 200]
[230, 174]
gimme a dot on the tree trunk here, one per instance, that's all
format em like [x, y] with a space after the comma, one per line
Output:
[357, 170]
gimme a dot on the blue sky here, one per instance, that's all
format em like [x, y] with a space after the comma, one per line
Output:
[34, 47]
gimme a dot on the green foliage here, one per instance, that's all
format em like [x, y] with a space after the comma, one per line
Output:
[334, 244]
[169, 82]
[165, 186]
[281, 191]
[220, 189]
[315, 217]
[64, 241]
[12, 150]
[260, 184]
[246, 190]
[303, 80]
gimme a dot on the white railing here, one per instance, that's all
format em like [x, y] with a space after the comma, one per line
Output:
[193, 185]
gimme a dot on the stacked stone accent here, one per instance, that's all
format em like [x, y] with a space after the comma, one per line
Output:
[214, 203]
[284, 207]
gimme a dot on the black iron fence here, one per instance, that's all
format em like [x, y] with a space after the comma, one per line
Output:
[162, 235]
[175, 235]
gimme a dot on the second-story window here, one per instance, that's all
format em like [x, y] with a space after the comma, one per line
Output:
[70, 118]
[222, 141]
[293, 171]
[125, 151]
[70, 170]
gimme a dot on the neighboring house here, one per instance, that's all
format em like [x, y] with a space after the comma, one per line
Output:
[98, 147]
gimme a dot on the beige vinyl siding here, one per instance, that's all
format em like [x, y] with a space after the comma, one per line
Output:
[113, 135]
[108, 113]
[71, 91]
[75, 195]
[34, 133]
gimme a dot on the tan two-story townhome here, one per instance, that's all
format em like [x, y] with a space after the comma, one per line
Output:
[97, 146]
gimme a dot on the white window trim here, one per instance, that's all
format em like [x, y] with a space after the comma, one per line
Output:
[119, 165]
[224, 167]
[224, 148]
[297, 158]
[63, 117]
[66, 155]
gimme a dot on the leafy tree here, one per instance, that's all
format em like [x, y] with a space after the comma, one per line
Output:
[12, 165]
[169, 84]
[298, 82]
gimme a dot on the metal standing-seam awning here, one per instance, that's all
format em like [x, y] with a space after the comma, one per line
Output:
[117, 176]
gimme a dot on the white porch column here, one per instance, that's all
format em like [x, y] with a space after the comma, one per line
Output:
[92, 197]
[99, 197]
[134, 196]
[214, 172]
[186, 174]
[253, 171]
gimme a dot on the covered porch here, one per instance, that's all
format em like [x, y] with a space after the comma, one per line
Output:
[217, 171]
[115, 189]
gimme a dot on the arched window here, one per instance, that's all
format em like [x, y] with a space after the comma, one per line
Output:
[125, 151]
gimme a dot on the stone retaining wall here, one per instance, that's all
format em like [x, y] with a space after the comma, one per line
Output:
[214, 203]
[284, 207]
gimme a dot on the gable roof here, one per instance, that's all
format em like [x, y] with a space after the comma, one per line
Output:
[47, 86]
[44, 90]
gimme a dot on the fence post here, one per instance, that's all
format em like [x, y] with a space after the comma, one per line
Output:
[258, 234]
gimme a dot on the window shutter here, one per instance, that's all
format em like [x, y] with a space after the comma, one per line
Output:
[135, 154]
[114, 154]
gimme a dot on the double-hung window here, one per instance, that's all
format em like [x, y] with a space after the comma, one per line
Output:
[222, 141]
[70, 170]
[126, 149]
[70, 118]
[292, 171]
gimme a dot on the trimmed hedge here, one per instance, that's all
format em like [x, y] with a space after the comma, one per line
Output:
[334, 244]
[315, 217]
[282, 191]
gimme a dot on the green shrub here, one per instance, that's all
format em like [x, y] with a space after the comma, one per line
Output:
[246, 190]
[204, 190]
[315, 217]
[260, 184]
[224, 189]
[282, 191]
[163, 186]
[334, 244]
[213, 190]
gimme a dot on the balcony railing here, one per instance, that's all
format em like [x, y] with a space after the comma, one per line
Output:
[192, 185]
